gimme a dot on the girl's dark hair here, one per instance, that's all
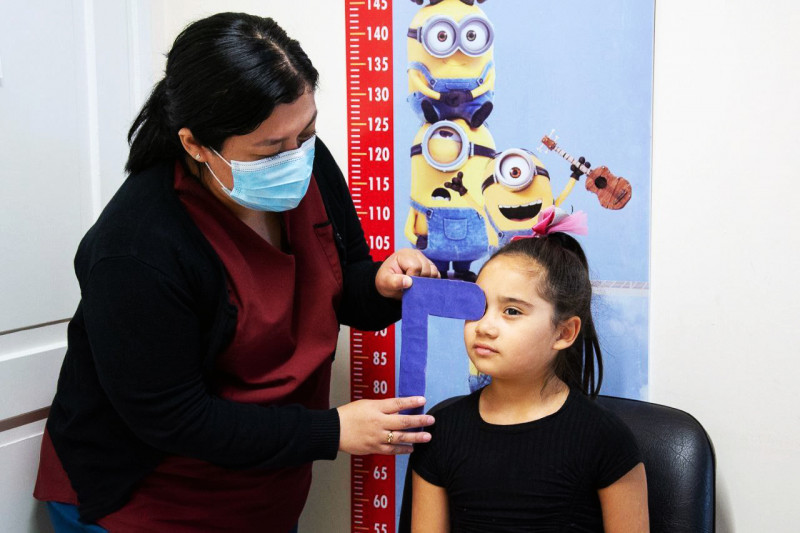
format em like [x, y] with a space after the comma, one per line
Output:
[225, 74]
[565, 284]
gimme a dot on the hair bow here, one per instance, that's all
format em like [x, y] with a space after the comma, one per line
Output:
[554, 219]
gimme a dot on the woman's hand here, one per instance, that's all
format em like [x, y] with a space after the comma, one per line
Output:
[373, 426]
[394, 274]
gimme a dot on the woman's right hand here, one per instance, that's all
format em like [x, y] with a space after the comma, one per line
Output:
[374, 426]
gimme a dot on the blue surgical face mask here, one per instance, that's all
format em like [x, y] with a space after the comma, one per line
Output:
[275, 183]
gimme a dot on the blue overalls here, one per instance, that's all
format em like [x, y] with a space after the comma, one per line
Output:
[504, 236]
[455, 234]
[443, 85]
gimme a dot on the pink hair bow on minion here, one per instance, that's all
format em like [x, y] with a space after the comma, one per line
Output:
[554, 219]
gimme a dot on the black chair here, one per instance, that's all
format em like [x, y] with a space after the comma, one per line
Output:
[679, 459]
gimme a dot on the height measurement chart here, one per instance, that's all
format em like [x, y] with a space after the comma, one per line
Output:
[370, 164]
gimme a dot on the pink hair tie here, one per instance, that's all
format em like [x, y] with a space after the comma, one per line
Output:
[554, 219]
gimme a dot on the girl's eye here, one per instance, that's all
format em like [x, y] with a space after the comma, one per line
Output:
[513, 312]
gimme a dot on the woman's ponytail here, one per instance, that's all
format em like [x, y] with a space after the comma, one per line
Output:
[152, 137]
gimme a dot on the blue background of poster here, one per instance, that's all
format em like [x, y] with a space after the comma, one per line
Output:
[583, 69]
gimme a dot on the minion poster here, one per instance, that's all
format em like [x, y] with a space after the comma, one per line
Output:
[510, 112]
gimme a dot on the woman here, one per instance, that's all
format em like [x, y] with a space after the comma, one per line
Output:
[194, 392]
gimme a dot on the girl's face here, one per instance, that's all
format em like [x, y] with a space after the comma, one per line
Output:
[516, 338]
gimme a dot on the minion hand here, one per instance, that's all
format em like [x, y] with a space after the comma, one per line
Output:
[456, 97]
[577, 172]
[422, 242]
[457, 184]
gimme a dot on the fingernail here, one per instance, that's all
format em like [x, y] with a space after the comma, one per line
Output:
[430, 420]
[406, 282]
[426, 437]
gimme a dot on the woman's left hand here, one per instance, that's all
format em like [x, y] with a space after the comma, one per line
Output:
[394, 274]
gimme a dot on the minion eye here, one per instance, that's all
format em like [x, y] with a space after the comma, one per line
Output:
[446, 133]
[476, 37]
[440, 38]
[445, 145]
[514, 170]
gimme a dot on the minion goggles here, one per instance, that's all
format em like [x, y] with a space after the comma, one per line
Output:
[441, 36]
[515, 170]
[448, 129]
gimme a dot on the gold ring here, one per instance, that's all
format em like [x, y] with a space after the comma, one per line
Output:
[390, 437]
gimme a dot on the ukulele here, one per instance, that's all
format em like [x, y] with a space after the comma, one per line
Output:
[612, 191]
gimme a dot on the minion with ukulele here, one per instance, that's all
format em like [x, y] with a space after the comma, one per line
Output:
[515, 190]
[451, 63]
[442, 222]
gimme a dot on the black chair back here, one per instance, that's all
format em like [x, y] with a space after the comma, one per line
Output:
[679, 459]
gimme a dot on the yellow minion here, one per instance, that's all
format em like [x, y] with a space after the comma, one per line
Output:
[443, 223]
[516, 190]
[450, 63]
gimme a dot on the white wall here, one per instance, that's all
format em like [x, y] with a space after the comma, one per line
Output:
[67, 96]
[725, 244]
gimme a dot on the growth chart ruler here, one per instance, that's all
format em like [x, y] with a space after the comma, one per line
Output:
[370, 125]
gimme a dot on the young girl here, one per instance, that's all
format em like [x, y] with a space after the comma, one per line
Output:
[531, 451]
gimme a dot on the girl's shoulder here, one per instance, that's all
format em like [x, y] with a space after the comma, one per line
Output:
[612, 447]
[599, 420]
[457, 401]
[456, 411]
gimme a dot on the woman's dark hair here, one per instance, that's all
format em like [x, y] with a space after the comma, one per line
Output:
[225, 74]
[565, 284]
